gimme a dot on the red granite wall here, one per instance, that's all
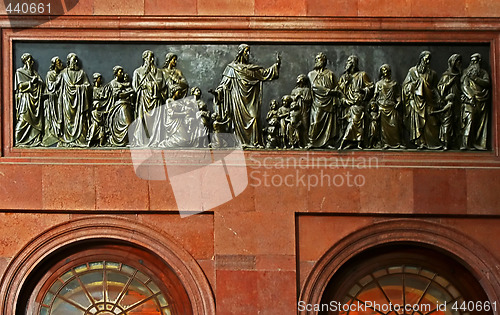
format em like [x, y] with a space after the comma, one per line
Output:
[257, 249]
[335, 8]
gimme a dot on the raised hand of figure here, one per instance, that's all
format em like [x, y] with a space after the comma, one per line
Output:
[278, 59]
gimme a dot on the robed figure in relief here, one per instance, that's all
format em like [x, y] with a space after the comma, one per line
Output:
[52, 108]
[387, 97]
[420, 97]
[96, 134]
[239, 96]
[120, 111]
[475, 84]
[449, 92]
[323, 128]
[74, 98]
[174, 79]
[356, 87]
[149, 86]
[302, 95]
[29, 90]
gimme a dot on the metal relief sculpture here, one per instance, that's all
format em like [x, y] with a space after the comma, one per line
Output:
[373, 127]
[74, 98]
[149, 86]
[221, 127]
[387, 101]
[174, 76]
[421, 99]
[294, 125]
[97, 118]
[239, 95]
[272, 129]
[449, 92]
[475, 83]
[202, 136]
[356, 88]
[51, 107]
[302, 97]
[323, 126]
[28, 92]
[178, 116]
[284, 119]
[120, 110]
[66, 110]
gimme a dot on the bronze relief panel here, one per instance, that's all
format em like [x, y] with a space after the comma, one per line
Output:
[259, 96]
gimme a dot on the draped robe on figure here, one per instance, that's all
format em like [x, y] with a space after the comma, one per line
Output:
[177, 115]
[102, 97]
[303, 97]
[149, 86]
[120, 112]
[174, 77]
[323, 121]
[29, 108]
[420, 98]
[477, 97]
[449, 87]
[356, 89]
[52, 109]
[242, 92]
[387, 95]
[74, 99]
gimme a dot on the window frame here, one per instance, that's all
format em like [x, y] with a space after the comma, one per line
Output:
[397, 254]
[419, 232]
[46, 249]
[146, 262]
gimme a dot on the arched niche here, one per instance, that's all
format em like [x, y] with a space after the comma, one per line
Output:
[88, 233]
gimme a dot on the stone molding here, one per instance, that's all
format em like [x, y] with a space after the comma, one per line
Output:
[473, 256]
[249, 29]
[113, 229]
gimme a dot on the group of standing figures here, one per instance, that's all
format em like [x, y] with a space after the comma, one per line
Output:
[438, 113]
[67, 110]
[323, 112]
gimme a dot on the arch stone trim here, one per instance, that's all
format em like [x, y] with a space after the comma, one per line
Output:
[106, 228]
[484, 267]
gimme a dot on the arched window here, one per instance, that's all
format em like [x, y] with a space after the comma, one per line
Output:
[402, 279]
[104, 287]
[104, 265]
[106, 279]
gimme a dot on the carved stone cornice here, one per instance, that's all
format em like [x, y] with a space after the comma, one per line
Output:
[255, 23]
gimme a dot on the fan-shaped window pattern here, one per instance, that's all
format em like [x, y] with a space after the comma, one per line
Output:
[403, 289]
[104, 288]
[401, 279]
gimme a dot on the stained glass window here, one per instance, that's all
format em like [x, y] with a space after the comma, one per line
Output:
[402, 279]
[104, 288]
[402, 289]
